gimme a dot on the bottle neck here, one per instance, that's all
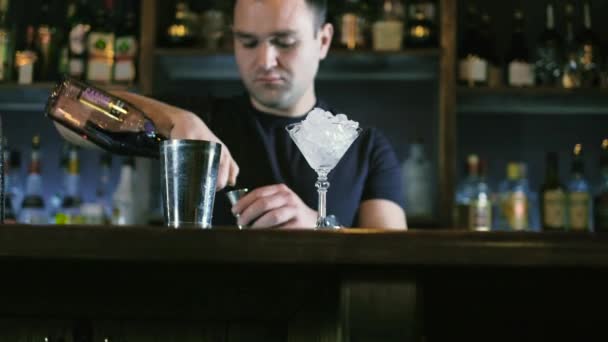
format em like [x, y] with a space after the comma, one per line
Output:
[587, 16]
[550, 18]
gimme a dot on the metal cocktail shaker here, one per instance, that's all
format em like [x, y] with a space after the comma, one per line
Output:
[188, 179]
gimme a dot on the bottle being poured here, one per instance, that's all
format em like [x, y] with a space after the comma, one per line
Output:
[104, 119]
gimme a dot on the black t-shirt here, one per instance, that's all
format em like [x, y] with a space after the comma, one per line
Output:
[266, 155]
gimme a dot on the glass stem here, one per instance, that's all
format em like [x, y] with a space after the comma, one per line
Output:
[322, 185]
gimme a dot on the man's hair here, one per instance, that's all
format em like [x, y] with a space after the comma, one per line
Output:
[319, 8]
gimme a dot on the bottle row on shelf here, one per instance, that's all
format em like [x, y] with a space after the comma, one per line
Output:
[568, 59]
[26, 202]
[381, 25]
[575, 206]
[87, 42]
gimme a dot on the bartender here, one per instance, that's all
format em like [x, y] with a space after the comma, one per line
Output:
[278, 46]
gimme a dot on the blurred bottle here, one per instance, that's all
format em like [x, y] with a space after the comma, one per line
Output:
[472, 60]
[421, 30]
[387, 31]
[488, 49]
[33, 209]
[353, 25]
[182, 29]
[213, 25]
[552, 197]
[548, 52]
[103, 192]
[69, 212]
[579, 197]
[600, 202]
[473, 198]
[588, 51]
[55, 200]
[13, 188]
[514, 199]
[571, 70]
[123, 200]
[519, 69]
[125, 70]
[100, 45]
[78, 26]
[26, 58]
[417, 173]
[7, 44]
[46, 41]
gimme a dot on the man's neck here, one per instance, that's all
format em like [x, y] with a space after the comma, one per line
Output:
[303, 106]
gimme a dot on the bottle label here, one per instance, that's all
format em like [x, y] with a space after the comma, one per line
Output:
[579, 211]
[78, 36]
[480, 215]
[554, 209]
[473, 69]
[126, 50]
[520, 74]
[4, 54]
[25, 74]
[101, 57]
[515, 210]
[110, 106]
[601, 212]
[76, 67]
[388, 35]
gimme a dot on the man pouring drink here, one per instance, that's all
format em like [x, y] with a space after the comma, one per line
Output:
[278, 46]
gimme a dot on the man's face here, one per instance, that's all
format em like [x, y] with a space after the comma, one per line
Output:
[278, 48]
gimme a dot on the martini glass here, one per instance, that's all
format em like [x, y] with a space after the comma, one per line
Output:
[322, 155]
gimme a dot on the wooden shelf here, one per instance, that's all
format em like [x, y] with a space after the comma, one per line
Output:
[551, 101]
[33, 97]
[192, 64]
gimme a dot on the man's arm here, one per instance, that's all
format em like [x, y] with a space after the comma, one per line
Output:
[175, 123]
[379, 213]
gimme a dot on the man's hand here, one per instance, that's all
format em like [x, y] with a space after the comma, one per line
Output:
[189, 126]
[274, 206]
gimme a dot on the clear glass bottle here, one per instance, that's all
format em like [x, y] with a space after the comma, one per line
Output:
[108, 121]
[123, 200]
[548, 63]
[473, 197]
[600, 201]
[417, 181]
[33, 208]
[552, 197]
[69, 212]
[579, 196]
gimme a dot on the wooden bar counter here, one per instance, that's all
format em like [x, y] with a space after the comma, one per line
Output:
[223, 284]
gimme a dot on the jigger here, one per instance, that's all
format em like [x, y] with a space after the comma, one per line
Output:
[234, 196]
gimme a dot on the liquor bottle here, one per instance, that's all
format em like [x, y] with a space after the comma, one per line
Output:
[600, 201]
[182, 29]
[579, 197]
[69, 212]
[387, 31]
[588, 52]
[571, 70]
[353, 25]
[514, 199]
[100, 46]
[519, 70]
[6, 44]
[33, 209]
[472, 62]
[123, 200]
[126, 46]
[104, 119]
[213, 25]
[418, 184]
[548, 53]
[487, 41]
[473, 198]
[552, 197]
[79, 26]
[46, 44]
[13, 193]
[421, 30]
[103, 190]
[26, 58]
